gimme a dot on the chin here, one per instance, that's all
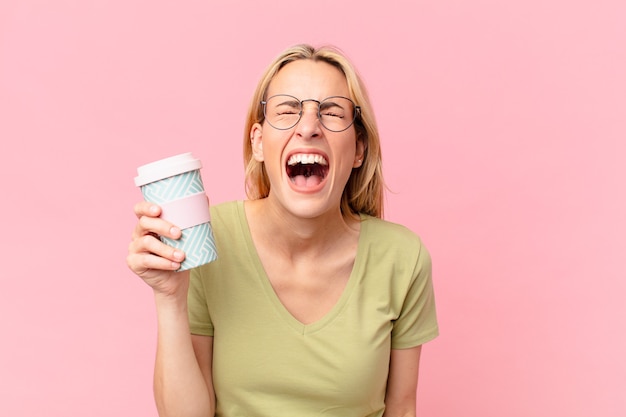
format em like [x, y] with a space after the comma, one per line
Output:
[310, 206]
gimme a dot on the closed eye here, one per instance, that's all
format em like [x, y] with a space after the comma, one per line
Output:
[332, 109]
[287, 107]
[333, 112]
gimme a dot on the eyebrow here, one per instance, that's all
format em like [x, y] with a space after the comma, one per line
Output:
[326, 103]
[290, 102]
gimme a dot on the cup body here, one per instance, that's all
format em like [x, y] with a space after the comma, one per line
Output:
[176, 185]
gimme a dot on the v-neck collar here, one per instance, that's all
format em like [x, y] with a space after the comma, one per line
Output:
[273, 298]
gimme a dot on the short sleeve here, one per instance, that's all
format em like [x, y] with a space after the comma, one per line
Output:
[417, 322]
[199, 317]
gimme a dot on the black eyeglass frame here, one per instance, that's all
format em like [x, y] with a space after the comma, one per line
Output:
[356, 112]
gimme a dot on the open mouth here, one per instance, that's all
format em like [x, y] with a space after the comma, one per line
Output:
[307, 170]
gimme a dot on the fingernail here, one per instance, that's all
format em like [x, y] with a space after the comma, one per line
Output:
[175, 231]
[154, 209]
[178, 254]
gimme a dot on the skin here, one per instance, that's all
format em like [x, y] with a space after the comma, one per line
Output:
[295, 230]
[180, 387]
[307, 80]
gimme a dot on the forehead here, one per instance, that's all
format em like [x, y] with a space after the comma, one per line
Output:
[307, 79]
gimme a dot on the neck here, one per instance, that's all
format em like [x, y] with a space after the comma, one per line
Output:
[295, 236]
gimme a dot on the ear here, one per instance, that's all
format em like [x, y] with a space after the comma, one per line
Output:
[359, 154]
[256, 139]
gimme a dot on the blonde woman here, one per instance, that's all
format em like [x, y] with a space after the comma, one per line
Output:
[316, 306]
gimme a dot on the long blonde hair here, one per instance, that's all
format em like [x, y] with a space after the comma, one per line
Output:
[364, 190]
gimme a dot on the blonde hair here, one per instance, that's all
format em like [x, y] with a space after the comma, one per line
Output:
[364, 190]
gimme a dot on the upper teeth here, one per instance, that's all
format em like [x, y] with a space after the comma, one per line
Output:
[307, 159]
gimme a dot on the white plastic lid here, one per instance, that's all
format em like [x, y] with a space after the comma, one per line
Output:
[165, 168]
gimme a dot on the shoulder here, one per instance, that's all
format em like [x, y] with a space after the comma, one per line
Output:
[227, 220]
[390, 235]
[226, 212]
[394, 248]
[229, 233]
[225, 208]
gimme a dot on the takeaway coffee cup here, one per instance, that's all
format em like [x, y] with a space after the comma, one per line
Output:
[175, 185]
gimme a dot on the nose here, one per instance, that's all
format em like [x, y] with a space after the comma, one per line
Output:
[309, 124]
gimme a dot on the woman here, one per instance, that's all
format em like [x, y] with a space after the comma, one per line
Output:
[315, 306]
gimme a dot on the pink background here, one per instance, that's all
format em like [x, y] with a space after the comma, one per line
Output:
[503, 126]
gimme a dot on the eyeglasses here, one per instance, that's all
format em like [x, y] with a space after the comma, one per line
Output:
[335, 113]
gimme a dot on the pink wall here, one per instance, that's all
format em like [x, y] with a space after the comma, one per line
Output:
[504, 131]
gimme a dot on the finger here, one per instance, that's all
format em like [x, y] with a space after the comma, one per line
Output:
[157, 227]
[145, 208]
[141, 263]
[150, 245]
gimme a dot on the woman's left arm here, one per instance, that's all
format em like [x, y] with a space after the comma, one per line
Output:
[402, 382]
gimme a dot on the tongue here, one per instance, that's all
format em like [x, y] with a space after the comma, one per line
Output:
[303, 181]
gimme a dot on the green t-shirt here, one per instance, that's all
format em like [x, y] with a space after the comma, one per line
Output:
[268, 364]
